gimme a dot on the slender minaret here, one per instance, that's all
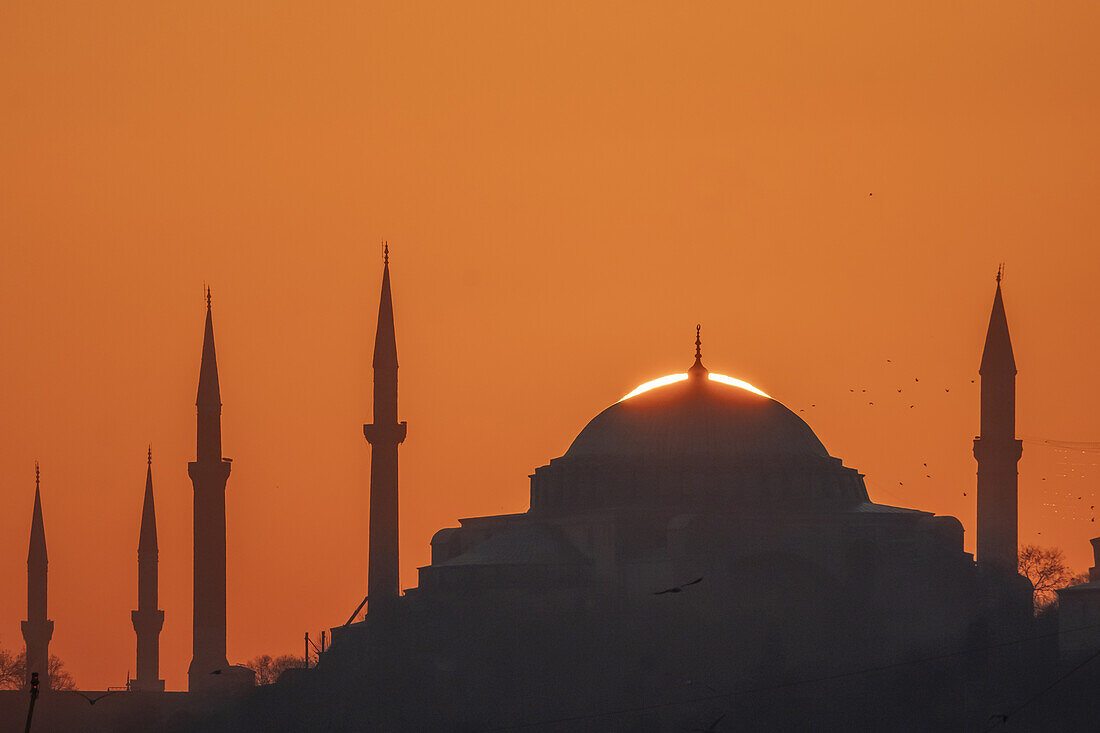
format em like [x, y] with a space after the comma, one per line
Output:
[384, 435]
[996, 449]
[208, 472]
[148, 619]
[37, 629]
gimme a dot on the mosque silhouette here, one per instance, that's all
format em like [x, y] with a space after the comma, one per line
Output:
[696, 560]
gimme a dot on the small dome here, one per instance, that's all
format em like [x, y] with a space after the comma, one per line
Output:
[697, 416]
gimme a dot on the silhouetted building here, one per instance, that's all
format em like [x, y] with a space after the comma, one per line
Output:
[384, 435]
[209, 472]
[996, 449]
[148, 619]
[696, 530]
[37, 629]
[1079, 613]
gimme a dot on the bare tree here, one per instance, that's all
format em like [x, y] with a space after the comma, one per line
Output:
[13, 672]
[1047, 570]
[268, 668]
[11, 676]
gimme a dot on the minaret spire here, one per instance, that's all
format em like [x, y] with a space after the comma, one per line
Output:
[209, 473]
[996, 449]
[148, 619]
[384, 435]
[209, 398]
[37, 629]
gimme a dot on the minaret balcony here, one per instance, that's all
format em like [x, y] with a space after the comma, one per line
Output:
[385, 434]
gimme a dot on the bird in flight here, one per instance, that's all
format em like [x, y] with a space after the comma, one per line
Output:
[678, 588]
[97, 698]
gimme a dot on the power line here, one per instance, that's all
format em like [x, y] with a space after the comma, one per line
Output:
[811, 680]
[1002, 719]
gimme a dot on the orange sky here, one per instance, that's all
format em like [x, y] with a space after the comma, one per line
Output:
[567, 189]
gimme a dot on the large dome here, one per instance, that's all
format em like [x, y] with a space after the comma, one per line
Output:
[696, 416]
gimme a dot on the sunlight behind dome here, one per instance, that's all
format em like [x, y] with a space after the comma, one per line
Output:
[670, 379]
[673, 378]
[733, 382]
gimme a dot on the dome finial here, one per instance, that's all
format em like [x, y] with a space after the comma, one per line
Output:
[698, 371]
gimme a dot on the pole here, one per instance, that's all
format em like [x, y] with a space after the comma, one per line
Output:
[322, 642]
[34, 696]
[306, 665]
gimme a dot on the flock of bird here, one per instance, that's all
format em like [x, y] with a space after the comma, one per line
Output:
[921, 389]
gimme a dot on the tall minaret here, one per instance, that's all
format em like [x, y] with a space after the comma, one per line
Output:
[208, 472]
[37, 629]
[384, 435]
[148, 619]
[997, 450]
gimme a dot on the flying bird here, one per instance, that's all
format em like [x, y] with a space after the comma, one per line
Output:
[97, 698]
[678, 588]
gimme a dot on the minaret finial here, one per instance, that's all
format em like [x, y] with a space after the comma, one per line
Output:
[385, 252]
[1000, 272]
[36, 475]
[149, 455]
[697, 369]
[207, 295]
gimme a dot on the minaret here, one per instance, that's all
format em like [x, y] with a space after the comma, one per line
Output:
[384, 435]
[37, 629]
[996, 449]
[148, 619]
[208, 472]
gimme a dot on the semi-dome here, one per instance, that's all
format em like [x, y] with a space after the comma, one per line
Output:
[697, 414]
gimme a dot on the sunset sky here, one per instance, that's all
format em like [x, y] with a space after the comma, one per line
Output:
[567, 189]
